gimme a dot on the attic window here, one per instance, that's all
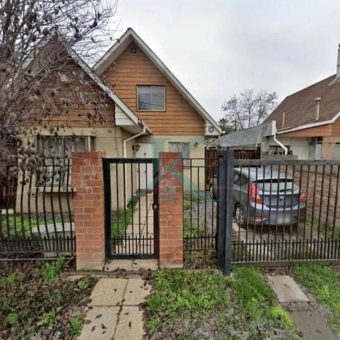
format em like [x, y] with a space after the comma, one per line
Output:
[151, 98]
[133, 49]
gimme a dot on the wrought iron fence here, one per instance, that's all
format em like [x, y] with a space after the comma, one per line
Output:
[200, 208]
[38, 221]
[285, 211]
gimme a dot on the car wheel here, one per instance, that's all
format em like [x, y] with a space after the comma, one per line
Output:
[240, 216]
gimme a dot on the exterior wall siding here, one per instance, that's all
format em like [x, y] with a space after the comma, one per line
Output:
[107, 140]
[179, 117]
[80, 92]
[299, 146]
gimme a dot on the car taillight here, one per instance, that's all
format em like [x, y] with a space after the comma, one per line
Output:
[303, 198]
[254, 195]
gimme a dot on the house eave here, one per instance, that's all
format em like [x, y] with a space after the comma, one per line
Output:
[309, 126]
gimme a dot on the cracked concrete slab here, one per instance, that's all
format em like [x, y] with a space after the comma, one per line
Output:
[114, 311]
[118, 264]
[130, 325]
[145, 264]
[286, 289]
[136, 292]
[108, 292]
[100, 323]
[312, 325]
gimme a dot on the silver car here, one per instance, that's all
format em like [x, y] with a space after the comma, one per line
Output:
[265, 197]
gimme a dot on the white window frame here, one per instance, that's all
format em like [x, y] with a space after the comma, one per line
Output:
[137, 101]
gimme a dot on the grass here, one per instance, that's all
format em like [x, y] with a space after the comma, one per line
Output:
[22, 226]
[257, 299]
[190, 231]
[36, 302]
[75, 325]
[188, 304]
[122, 218]
[324, 283]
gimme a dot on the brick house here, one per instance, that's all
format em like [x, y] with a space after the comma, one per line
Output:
[308, 122]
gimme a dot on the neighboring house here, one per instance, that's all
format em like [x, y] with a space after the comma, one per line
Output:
[308, 121]
[246, 143]
[247, 138]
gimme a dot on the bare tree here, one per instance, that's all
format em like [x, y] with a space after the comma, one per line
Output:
[33, 37]
[249, 108]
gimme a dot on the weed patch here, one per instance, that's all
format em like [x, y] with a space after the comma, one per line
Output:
[188, 304]
[122, 218]
[324, 283]
[36, 302]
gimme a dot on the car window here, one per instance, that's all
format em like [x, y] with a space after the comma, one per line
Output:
[275, 185]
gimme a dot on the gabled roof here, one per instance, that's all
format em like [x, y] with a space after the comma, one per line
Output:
[83, 65]
[299, 108]
[120, 46]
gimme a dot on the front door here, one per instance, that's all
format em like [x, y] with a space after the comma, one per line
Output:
[144, 171]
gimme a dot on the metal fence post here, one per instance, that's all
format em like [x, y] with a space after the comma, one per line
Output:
[107, 205]
[229, 208]
[221, 209]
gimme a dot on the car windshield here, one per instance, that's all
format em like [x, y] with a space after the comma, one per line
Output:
[275, 185]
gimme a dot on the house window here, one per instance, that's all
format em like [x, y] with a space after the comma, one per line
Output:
[56, 151]
[181, 147]
[151, 98]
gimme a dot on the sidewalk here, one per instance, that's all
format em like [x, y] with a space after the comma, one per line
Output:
[114, 311]
[308, 320]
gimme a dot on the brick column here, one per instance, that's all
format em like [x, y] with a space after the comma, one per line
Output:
[171, 210]
[88, 208]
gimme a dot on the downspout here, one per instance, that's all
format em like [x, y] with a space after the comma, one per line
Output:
[124, 149]
[280, 144]
[131, 138]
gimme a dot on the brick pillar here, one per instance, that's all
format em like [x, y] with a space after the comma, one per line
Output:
[171, 210]
[88, 207]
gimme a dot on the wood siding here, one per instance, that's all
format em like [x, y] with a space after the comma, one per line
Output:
[179, 117]
[70, 82]
[336, 128]
[318, 131]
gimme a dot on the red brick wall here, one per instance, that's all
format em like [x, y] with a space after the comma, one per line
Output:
[171, 210]
[88, 203]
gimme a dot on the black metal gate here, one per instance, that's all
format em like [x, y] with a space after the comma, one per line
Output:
[277, 212]
[131, 207]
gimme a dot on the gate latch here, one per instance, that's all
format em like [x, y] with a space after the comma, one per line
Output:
[155, 206]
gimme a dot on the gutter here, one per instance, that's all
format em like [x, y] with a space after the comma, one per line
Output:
[131, 138]
[310, 125]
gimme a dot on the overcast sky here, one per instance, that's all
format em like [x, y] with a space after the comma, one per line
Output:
[217, 48]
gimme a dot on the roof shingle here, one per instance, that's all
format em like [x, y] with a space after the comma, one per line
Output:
[299, 107]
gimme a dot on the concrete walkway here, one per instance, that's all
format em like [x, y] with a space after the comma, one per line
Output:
[308, 320]
[114, 311]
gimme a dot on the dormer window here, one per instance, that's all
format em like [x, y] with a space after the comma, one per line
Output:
[151, 98]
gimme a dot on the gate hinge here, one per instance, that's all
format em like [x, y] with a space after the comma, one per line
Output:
[155, 206]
